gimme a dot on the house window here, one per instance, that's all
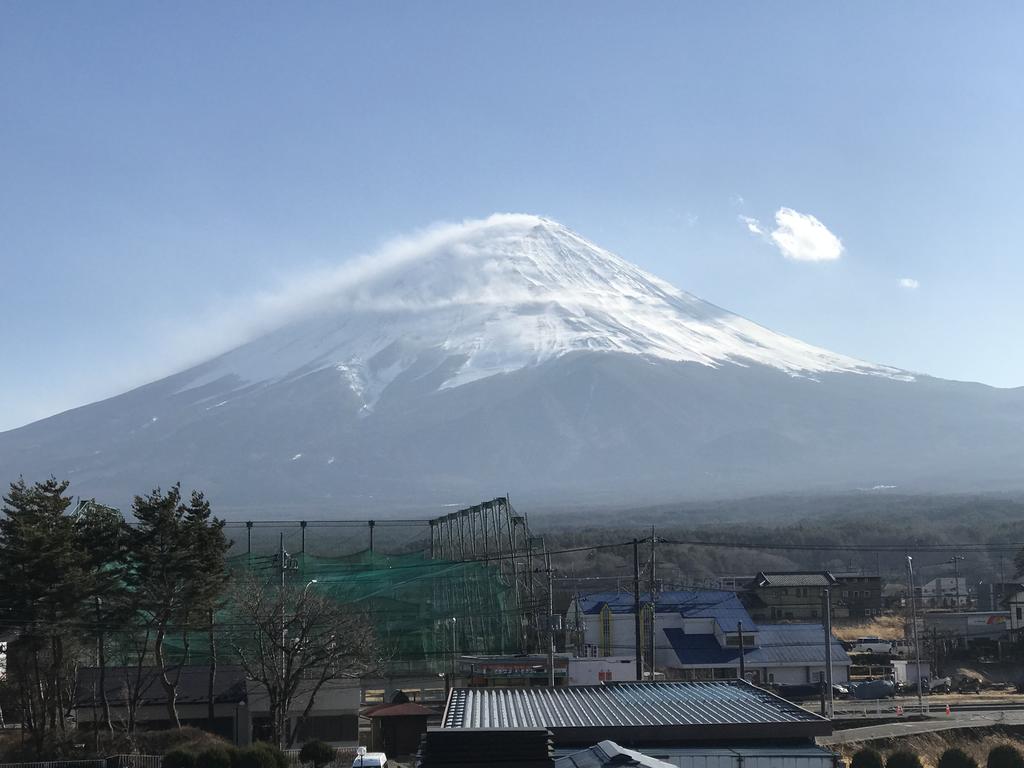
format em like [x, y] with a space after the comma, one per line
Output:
[1020, 617]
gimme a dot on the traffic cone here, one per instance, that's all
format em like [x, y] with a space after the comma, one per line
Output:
[948, 713]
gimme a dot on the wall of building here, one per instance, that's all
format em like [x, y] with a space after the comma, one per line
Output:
[593, 671]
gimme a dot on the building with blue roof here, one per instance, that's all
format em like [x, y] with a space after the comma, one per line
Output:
[697, 636]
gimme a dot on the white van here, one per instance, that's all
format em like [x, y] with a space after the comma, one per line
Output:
[366, 759]
[871, 645]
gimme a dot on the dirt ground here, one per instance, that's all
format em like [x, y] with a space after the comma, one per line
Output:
[977, 742]
[885, 627]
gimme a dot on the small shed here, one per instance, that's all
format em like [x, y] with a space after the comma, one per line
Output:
[397, 728]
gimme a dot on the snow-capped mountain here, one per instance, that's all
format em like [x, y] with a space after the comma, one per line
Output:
[512, 354]
[507, 293]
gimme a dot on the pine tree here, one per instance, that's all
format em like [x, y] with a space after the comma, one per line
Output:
[43, 583]
[177, 553]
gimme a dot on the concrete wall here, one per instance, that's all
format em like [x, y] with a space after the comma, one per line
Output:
[593, 671]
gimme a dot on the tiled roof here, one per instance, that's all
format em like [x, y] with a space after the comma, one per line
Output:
[778, 645]
[617, 705]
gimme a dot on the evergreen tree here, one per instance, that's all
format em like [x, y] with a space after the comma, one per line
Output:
[177, 553]
[43, 583]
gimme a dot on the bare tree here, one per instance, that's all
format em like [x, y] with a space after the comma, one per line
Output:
[294, 640]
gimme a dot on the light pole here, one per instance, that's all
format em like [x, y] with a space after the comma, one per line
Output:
[453, 621]
[917, 644]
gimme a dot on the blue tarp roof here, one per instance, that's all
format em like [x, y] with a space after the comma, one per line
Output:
[777, 644]
[720, 605]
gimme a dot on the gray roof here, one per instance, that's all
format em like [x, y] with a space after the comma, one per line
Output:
[795, 579]
[609, 753]
[193, 685]
[616, 705]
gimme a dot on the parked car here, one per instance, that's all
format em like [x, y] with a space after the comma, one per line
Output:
[840, 691]
[366, 759]
[938, 685]
[969, 685]
[874, 689]
[874, 645]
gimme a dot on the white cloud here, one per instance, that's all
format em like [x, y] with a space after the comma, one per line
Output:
[909, 283]
[798, 236]
[753, 225]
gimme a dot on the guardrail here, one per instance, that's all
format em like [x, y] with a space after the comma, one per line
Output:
[114, 761]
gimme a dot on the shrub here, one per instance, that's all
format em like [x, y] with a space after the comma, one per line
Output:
[316, 752]
[178, 758]
[1005, 756]
[956, 758]
[255, 757]
[214, 757]
[903, 759]
[867, 758]
[277, 757]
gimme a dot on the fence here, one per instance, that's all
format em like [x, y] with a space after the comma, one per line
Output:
[114, 761]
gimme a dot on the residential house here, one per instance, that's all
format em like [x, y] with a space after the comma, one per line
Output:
[791, 596]
[945, 592]
[698, 635]
[857, 595]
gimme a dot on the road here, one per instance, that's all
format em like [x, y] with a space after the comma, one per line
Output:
[980, 718]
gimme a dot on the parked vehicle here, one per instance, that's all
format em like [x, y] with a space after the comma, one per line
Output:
[366, 759]
[840, 691]
[874, 645]
[874, 689]
[969, 685]
[938, 685]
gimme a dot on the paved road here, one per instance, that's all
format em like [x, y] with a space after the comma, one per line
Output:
[936, 723]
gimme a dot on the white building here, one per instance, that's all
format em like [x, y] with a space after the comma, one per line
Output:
[945, 592]
[697, 637]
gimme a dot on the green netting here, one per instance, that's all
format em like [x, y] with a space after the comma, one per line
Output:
[410, 600]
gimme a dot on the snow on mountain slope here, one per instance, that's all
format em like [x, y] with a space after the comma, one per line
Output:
[501, 294]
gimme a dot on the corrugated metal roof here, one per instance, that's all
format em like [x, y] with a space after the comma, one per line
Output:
[778, 644]
[721, 702]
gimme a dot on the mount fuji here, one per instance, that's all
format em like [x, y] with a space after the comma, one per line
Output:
[512, 354]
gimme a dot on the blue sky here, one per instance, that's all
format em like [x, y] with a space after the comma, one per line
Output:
[157, 160]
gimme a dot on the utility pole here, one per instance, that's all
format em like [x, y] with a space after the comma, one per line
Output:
[917, 644]
[743, 663]
[636, 611]
[551, 621]
[828, 652]
[281, 715]
[955, 560]
[654, 599]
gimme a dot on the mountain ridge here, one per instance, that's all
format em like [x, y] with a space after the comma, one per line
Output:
[510, 354]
